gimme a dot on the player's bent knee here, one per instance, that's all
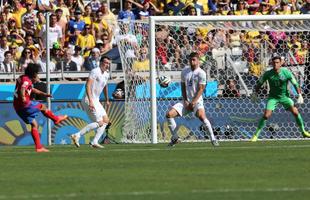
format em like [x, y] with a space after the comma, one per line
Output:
[103, 122]
[42, 107]
[34, 124]
[295, 111]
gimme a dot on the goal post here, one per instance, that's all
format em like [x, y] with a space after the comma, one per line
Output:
[242, 61]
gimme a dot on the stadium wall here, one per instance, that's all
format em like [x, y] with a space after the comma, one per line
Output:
[234, 118]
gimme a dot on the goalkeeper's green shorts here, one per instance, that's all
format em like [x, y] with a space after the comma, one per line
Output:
[285, 101]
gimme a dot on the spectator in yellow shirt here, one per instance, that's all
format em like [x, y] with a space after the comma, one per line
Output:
[286, 9]
[256, 68]
[294, 40]
[100, 24]
[18, 11]
[65, 10]
[15, 53]
[241, 8]
[108, 16]
[264, 8]
[142, 64]
[86, 40]
[87, 15]
[303, 53]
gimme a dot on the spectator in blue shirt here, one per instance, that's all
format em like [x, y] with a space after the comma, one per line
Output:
[176, 6]
[93, 61]
[75, 27]
[127, 13]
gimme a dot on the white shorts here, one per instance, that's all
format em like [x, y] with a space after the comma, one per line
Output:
[179, 107]
[97, 114]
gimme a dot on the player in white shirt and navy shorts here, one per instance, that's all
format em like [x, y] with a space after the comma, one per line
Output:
[193, 83]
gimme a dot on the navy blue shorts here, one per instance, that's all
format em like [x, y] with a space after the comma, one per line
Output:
[29, 113]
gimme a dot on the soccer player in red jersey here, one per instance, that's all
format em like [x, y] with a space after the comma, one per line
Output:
[28, 109]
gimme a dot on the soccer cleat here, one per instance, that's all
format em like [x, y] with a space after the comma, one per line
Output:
[75, 140]
[173, 142]
[306, 134]
[42, 150]
[98, 146]
[60, 119]
[215, 143]
[254, 138]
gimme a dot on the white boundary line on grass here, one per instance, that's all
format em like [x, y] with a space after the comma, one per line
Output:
[176, 148]
[142, 193]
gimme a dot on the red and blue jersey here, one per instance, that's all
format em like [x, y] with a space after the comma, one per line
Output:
[22, 82]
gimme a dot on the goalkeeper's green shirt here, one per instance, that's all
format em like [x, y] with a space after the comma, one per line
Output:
[278, 82]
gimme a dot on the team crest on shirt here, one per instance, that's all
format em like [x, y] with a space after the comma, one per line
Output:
[282, 78]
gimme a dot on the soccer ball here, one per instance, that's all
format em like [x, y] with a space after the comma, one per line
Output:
[119, 94]
[164, 81]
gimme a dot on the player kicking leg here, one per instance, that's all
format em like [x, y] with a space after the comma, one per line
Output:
[28, 109]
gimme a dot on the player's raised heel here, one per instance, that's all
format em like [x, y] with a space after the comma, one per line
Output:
[306, 134]
[75, 140]
[61, 118]
[254, 138]
[42, 150]
[98, 146]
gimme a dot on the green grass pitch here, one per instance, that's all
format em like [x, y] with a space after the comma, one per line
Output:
[275, 170]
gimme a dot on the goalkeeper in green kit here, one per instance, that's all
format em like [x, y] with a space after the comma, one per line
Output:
[278, 79]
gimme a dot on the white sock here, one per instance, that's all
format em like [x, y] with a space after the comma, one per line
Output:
[208, 124]
[87, 128]
[172, 126]
[99, 133]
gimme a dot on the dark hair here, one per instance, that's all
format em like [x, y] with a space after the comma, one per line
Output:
[32, 70]
[104, 57]
[194, 54]
[275, 57]
[58, 10]
[7, 52]
[78, 48]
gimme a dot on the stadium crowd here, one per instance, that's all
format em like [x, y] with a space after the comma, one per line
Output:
[81, 32]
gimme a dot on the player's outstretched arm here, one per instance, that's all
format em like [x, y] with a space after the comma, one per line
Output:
[39, 92]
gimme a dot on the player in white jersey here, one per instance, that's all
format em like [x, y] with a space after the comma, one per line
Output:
[193, 83]
[96, 83]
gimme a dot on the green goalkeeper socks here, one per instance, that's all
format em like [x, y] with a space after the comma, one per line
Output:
[261, 125]
[300, 123]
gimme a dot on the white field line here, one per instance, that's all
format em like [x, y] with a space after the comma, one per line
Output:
[155, 193]
[176, 148]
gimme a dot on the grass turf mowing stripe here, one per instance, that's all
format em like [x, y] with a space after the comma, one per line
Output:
[155, 193]
[179, 147]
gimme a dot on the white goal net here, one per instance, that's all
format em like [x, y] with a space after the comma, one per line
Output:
[233, 52]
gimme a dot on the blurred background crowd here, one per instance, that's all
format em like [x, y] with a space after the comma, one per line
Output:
[82, 31]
